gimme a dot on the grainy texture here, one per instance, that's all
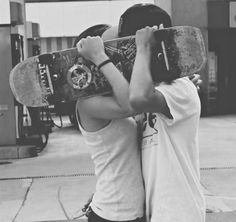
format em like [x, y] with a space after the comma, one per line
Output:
[48, 79]
[25, 84]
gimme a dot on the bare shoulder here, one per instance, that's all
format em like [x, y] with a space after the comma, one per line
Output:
[103, 107]
[87, 117]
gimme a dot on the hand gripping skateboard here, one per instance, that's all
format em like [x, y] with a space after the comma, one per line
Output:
[66, 76]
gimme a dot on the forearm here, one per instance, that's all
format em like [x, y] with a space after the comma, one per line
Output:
[119, 84]
[141, 85]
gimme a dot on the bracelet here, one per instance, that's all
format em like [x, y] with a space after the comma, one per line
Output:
[103, 64]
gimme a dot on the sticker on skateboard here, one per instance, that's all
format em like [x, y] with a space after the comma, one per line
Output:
[65, 76]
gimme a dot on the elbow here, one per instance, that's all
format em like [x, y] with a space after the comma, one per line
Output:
[128, 110]
[139, 101]
[141, 97]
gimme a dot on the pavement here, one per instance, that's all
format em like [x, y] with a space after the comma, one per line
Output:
[55, 185]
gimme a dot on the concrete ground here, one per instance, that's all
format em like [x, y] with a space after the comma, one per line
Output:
[55, 185]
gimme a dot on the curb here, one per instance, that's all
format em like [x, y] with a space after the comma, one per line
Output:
[72, 220]
[210, 217]
[221, 217]
[17, 152]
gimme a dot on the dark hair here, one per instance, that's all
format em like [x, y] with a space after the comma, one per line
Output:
[96, 30]
[139, 16]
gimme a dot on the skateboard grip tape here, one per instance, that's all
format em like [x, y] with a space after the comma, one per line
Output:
[45, 59]
[160, 35]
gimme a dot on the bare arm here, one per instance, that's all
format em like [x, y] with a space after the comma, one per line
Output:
[143, 95]
[101, 107]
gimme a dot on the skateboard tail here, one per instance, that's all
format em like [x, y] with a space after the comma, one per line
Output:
[203, 49]
[183, 50]
[192, 50]
[179, 52]
[24, 74]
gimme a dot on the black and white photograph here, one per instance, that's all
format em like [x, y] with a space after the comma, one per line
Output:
[117, 110]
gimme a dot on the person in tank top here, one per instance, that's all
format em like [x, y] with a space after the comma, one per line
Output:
[111, 136]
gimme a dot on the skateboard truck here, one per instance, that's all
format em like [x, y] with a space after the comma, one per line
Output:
[160, 36]
[165, 56]
[79, 76]
[164, 50]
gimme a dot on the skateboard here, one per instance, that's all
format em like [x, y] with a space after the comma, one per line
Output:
[65, 76]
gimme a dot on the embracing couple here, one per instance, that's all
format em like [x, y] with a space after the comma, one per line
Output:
[143, 137]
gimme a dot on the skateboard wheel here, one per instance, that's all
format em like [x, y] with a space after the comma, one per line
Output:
[79, 76]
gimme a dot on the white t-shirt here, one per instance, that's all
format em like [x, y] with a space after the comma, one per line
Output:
[119, 194]
[170, 157]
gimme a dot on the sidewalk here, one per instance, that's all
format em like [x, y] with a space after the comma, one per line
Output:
[56, 184]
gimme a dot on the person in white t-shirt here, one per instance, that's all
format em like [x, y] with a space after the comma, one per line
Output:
[170, 119]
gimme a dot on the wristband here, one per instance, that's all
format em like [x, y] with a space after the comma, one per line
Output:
[103, 64]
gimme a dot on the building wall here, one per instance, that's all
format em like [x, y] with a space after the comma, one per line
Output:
[165, 4]
[190, 12]
[219, 79]
[222, 43]
[55, 44]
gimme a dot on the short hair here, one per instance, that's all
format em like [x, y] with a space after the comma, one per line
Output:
[95, 30]
[139, 16]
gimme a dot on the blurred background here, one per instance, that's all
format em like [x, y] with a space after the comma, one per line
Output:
[32, 27]
[30, 187]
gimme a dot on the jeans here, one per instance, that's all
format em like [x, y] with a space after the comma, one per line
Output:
[92, 217]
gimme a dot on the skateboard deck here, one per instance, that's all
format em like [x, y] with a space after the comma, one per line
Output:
[65, 76]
